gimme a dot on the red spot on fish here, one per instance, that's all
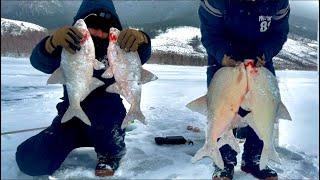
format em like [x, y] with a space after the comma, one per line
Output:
[249, 63]
[85, 37]
[112, 37]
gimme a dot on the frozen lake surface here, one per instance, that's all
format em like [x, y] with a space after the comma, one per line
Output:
[27, 102]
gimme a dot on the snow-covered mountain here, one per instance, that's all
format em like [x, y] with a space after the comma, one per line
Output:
[146, 14]
[297, 53]
[15, 27]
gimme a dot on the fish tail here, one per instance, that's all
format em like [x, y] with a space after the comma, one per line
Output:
[274, 155]
[266, 154]
[132, 115]
[210, 151]
[78, 112]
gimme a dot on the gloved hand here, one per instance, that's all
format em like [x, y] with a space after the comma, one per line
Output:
[229, 62]
[260, 61]
[131, 39]
[67, 37]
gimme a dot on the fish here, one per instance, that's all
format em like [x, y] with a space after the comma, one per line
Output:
[264, 102]
[252, 88]
[221, 103]
[76, 73]
[129, 75]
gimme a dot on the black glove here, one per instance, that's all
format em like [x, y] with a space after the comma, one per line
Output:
[131, 39]
[67, 37]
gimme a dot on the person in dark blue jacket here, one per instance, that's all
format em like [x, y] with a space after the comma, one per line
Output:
[235, 30]
[43, 153]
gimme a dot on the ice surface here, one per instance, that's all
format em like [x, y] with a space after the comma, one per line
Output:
[27, 102]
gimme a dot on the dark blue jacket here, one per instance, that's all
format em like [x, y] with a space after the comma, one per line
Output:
[243, 29]
[48, 63]
[43, 153]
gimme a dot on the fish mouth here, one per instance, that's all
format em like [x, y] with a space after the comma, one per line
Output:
[113, 34]
[86, 36]
[249, 63]
[80, 24]
[113, 37]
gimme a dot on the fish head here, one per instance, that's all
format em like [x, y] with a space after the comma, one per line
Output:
[80, 24]
[82, 27]
[251, 67]
[113, 34]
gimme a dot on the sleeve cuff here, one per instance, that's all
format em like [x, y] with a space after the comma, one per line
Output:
[42, 46]
[219, 56]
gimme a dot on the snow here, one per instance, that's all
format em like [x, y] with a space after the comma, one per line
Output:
[16, 27]
[177, 40]
[298, 48]
[27, 102]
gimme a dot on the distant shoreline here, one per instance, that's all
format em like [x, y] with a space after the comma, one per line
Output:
[171, 58]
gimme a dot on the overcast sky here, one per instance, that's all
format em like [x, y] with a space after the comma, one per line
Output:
[305, 8]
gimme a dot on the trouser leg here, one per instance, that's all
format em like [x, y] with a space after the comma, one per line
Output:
[43, 153]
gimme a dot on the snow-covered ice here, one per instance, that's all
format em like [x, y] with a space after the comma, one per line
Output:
[27, 102]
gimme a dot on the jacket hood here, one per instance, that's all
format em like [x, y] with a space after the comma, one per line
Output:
[91, 6]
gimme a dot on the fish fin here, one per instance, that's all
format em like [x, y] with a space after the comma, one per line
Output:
[133, 115]
[248, 119]
[276, 134]
[78, 112]
[107, 73]
[274, 156]
[283, 112]
[114, 88]
[228, 138]
[95, 83]
[264, 158]
[199, 105]
[210, 151]
[147, 76]
[267, 154]
[97, 65]
[57, 77]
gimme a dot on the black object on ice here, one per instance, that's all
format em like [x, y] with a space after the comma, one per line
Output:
[172, 140]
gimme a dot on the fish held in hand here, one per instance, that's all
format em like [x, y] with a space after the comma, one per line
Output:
[264, 101]
[75, 72]
[221, 103]
[127, 70]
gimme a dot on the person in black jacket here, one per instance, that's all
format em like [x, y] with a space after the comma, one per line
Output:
[43, 153]
[235, 30]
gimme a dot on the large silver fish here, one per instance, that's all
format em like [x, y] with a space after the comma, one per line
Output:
[264, 101]
[225, 94]
[254, 89]
[76, 71]
[126, 68]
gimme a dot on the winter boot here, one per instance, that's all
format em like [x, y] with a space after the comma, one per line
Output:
[106, 165]
[252, 168]
[223, 174]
